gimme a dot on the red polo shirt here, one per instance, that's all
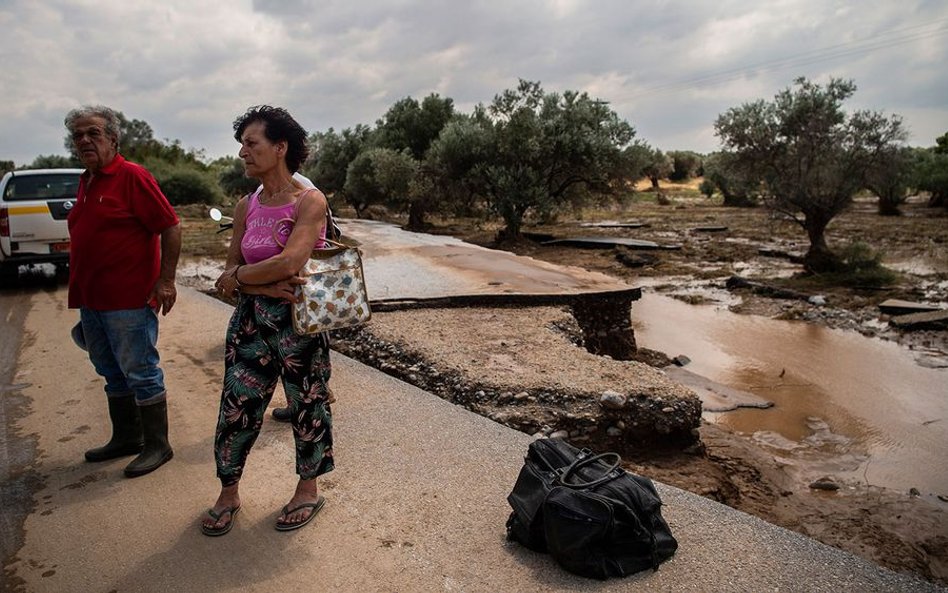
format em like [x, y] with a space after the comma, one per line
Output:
[114, 230]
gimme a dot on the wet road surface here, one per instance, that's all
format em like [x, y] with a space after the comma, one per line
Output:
[399, 264]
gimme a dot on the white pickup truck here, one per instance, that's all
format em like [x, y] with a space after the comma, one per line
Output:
[34, 204]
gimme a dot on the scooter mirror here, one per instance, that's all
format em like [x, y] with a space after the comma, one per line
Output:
[216, 215]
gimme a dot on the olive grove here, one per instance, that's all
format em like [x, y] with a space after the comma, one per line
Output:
[811, 156]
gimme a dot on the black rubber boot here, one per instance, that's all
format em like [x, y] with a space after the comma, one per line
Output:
[126, 431]
[157, 450]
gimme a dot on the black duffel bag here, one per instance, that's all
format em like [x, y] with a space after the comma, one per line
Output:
[596, 519]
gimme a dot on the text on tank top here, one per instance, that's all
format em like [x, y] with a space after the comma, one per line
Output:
[258, 243]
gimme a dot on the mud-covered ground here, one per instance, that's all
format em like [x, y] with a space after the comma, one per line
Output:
[903, 532]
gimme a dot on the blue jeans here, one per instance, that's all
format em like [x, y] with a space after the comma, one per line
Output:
[122, 348]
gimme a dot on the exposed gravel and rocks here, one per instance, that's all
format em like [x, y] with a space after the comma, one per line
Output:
[522, 369]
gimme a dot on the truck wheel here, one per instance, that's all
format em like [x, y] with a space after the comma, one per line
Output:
[62, 272]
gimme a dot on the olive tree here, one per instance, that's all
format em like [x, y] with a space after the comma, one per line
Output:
[379, 176]
[811, 156]
[930, 172]
[331, 155]
[642, 160]
[890, 178]
[657, 165]
[410, 127]
[413, 126]
[686, 164]
[453, 162]
[537, 150]
[739, 187]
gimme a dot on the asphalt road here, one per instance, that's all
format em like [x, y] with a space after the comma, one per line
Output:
[403, 265]
[417, 502]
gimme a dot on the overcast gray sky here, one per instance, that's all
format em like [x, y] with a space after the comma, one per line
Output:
[188, 68]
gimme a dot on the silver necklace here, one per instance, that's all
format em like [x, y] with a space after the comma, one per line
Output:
[267, 199]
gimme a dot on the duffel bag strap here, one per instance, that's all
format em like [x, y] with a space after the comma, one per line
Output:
[611, 473]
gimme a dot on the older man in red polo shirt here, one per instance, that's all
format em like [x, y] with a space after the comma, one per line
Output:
[125, 241]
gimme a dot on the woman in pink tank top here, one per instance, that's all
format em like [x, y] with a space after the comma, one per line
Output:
[259, 242]
[261, 346]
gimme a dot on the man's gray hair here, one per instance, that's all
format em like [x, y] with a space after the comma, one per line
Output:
[113, 124]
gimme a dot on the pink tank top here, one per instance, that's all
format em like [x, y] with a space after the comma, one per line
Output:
[258, 243]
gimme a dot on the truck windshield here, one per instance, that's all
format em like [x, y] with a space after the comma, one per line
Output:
[42, 187]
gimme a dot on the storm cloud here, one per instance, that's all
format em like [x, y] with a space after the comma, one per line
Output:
[669, 68]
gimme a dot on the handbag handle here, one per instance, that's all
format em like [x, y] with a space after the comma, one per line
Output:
[276, 237]
[609, 474]
[330, 224]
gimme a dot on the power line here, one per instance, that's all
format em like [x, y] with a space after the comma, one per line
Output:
[848, 46]
[897, 37]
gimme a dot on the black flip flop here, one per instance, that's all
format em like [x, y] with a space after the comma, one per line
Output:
[316, 506]
[216, 531]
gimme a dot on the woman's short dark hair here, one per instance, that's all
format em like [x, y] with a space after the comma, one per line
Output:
[279, 125]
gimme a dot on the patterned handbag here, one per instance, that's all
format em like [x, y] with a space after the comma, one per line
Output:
[334, 295]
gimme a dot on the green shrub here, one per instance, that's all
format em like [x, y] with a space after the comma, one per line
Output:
[862, 266]
[706, 188]
[188, 186]
[232, 177]
[859, 257]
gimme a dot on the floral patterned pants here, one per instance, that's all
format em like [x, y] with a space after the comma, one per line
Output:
[261, 347]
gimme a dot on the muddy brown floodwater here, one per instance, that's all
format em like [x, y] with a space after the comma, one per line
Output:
[860, 409]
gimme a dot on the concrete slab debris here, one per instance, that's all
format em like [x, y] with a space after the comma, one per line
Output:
[607, 242]
[926, 320]
[900, 307]
[714, 396]
[608, 224]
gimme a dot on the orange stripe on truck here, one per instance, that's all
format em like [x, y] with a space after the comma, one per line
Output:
[44, 209]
